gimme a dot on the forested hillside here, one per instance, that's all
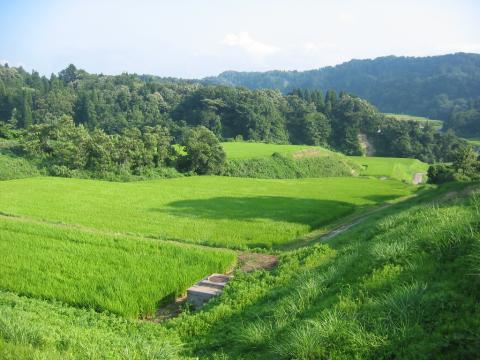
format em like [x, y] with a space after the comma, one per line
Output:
[76, 121]
[427, 86]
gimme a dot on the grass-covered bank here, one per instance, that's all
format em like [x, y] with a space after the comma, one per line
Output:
[12, 167]
[280, 166]
[36, 329]
[220, 211]
[405, 285]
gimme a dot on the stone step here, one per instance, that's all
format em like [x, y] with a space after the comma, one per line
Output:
[205, 289]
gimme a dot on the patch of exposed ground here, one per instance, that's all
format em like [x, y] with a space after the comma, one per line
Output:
[418, 178]
[252, 261]
[307, 153]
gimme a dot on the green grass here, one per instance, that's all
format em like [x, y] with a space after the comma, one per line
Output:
[125, 276]
[395, 168]
[404, 284]
[16, 168]
[222, 211]
[403, 117]
[247, 150]
[36, 329]
[287, 167]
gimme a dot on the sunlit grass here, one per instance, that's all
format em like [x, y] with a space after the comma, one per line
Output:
[396, 168]
[247, 150]
[126, 276]
[229, 212]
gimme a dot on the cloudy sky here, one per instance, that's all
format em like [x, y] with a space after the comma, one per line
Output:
[197, 38]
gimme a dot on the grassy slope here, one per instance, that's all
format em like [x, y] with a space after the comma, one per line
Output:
[36, 329]
[125, 276]
[232, 212]
[396, 168]
[16, 168]
[401, 286]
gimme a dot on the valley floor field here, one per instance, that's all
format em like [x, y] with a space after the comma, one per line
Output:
[220, 211]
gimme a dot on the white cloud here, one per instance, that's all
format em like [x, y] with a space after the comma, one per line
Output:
[314, 47]
[247, 43]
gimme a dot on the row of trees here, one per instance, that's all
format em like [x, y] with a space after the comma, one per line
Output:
[129, 106]
[66, 149]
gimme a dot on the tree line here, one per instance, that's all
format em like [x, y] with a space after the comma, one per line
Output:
[431, 86]
[83, 121]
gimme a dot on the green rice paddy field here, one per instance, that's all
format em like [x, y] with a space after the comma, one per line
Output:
[247, 150]
[404, 117]
[123, 275]
[395, 168]
[219, 211]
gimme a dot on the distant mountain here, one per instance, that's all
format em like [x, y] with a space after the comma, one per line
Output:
[428, 86]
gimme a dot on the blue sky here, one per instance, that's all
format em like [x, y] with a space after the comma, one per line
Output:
[188, 38]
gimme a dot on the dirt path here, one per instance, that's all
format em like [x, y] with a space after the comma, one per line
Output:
[344, 227]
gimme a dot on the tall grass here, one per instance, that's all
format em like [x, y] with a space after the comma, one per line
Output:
[36, 329]
[16, 168]
[125, 276]
[287, 167]
[404, 286]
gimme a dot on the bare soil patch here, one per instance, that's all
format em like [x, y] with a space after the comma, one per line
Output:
[252, 261]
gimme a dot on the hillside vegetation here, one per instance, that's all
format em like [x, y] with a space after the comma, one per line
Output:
[78, 124]
[404, 285]
[220, 211]
[12, 167]
[426, 86]
[238, 150]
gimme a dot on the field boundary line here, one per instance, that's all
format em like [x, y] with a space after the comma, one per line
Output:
[130, 236]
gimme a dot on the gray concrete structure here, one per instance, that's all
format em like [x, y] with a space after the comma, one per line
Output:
[205, 289]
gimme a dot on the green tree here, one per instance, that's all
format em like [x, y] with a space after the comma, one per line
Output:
[26, 110]
[204, 153]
